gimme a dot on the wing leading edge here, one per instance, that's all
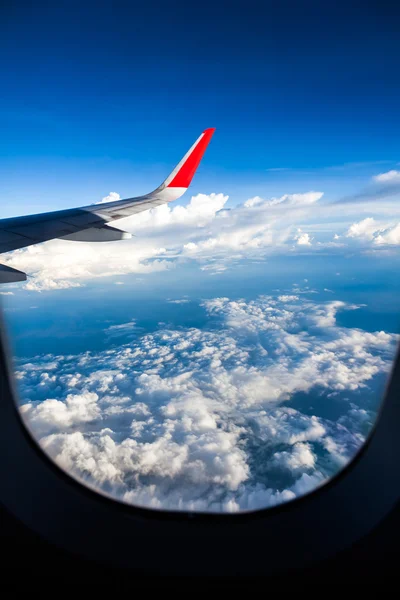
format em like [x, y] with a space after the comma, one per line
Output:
[89, 223]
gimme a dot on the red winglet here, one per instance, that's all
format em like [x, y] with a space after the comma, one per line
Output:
[185, 174]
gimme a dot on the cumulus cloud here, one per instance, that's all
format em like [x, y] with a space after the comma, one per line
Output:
[48, 283]
[112, 197]
[364, 229]
[389, 236]
[206, 419]
[377, 233]
[303, 239]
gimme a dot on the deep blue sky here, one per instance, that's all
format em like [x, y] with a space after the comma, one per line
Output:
[109, 95]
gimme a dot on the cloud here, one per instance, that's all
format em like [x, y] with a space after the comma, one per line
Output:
[389, 236]
[206, 419]
[286, 199]
[286, 298]
[377, 233]
[201, 209]
[303, 239]
[122, 329]
[388, 177]
[179, 301]
[204, 230]
[364, 229]
[54, 414]
[112, 197]
[383, 185]
[6, 293]
[47, 283]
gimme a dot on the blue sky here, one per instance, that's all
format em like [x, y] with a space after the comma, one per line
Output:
[233, 354]
[110, 95]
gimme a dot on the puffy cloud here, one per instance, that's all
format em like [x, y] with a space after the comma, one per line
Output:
[364, 229]
[112, 197]
[201, 209]
[380, 234]
[74, 410]
[206, 419]
[389, 236]
[303, 239]
[301, 457]
[47, 283]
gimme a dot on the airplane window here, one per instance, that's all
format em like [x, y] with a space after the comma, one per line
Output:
[218, 339]
[218, 361]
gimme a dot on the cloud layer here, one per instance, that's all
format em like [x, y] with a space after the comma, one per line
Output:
[206, 419]
[205, 230]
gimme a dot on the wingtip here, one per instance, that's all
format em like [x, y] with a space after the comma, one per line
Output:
[184, 172]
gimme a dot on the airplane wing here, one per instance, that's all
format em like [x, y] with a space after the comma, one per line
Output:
[90, 223]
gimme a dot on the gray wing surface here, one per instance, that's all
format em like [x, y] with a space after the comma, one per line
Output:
[19, 232]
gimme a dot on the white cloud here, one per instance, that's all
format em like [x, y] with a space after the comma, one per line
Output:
[389, 236]
[291, 199]
[377, 233]
[6, 293]
[201, 209]
[299, 199]
[388, 177]
[179, 301]
[364, 229]
[122, 329]
[201, 230]
[301, 457]
[287, 298]
[303, 239]
[202, 419]
[112, 197]
[47, 283]
[51, 414]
